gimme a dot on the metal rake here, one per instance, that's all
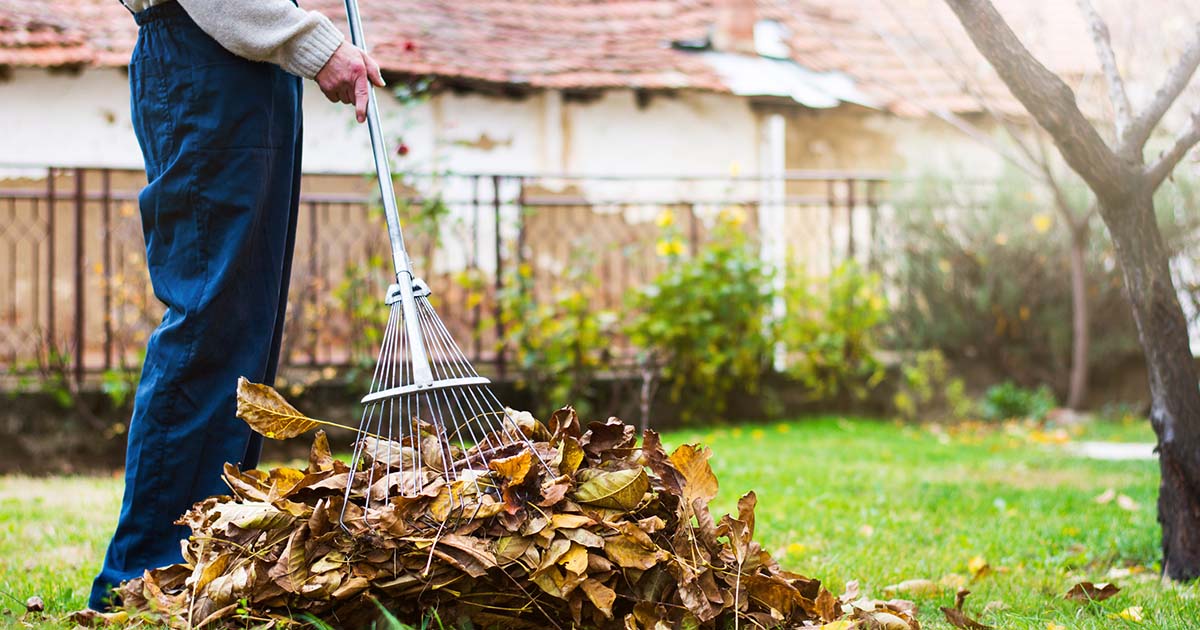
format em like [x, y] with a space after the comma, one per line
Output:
[429, 417]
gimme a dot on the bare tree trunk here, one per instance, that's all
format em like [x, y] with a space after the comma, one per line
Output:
[1175, 398]
[1080, 317]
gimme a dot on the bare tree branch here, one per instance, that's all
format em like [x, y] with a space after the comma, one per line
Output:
[1047, 97]
[1108, 62]
[1134, 139]
[1024, 161]
[1162, 167]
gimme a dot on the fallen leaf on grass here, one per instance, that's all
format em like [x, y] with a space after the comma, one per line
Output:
[953, 581]
[913, 587]
[1133, 613]
[1106, 497]
[1127, 504]
[34, 604]
[979, 567]
[958, 618]
[1086, 591]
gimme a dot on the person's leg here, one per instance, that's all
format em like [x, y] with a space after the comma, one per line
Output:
[219, 136]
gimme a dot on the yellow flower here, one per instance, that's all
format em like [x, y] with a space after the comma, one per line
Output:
[1050, 625]
[758, 434]
[666, 218]
[944, 265]
[783, 428]
[524, 270]
[1002, 239]
[669, 247]
[735, 168]
[1042, 223]
[733, 215]
[796, 548]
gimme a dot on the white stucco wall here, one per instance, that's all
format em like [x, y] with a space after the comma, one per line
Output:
[67, 119]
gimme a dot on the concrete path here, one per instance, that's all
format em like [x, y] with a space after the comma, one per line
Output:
[1114, 451]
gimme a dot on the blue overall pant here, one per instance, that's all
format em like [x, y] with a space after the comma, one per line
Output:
[221, 140]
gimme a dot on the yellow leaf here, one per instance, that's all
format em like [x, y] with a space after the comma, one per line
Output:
[978, 566]
[1133, 614]
[692, 462]
[513, 468]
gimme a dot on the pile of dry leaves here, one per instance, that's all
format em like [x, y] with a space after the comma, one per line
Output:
[617, 535]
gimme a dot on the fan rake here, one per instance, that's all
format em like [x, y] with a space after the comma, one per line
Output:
[430, 417]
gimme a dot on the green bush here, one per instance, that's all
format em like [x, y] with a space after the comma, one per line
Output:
[1009, 400]
[981, 273]
[832, 330]
[926, 391]
[705, 319]
[557, 345]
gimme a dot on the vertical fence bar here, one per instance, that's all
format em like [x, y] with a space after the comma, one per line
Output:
[693, 230]
[80, 202]
[830, 210]
[498, 281]
[51, 254]
[850, 219]
[106, 253]
[477, 309]
[529, 284]
[873, 217]
[313, 285]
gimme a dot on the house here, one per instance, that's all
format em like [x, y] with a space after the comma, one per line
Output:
[601, 113]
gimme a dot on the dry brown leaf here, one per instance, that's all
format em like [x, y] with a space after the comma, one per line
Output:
[619, 490]
[1086, 591]
[958, 618]
[271, 415]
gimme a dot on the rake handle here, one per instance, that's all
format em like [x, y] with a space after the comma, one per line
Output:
[422, 373]
[383, 169]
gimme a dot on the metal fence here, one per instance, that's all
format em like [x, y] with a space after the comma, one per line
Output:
[74, 289]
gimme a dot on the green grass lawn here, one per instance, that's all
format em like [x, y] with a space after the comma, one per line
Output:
[840, 500]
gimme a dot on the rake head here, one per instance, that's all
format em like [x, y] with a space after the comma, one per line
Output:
[429, 419]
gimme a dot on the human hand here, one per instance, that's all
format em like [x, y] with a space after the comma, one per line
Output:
[344, 78]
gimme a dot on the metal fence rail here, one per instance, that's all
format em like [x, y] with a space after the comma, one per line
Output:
[74, 290]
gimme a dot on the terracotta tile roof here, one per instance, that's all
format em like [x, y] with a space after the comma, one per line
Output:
[29, 37]
[908, 55]
[539, 43]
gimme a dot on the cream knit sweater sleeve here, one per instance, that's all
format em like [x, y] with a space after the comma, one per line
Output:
[276, 31]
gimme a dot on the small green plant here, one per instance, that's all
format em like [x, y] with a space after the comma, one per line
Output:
[705, 317]
[561, 343]
[832, 331]
[926, 391]
[1009, 400]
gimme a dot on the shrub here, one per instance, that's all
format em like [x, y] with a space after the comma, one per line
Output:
[983, 277]
[705, 318]
[926, 391]
[558, 345]
[1009, 400]
[832, 329]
